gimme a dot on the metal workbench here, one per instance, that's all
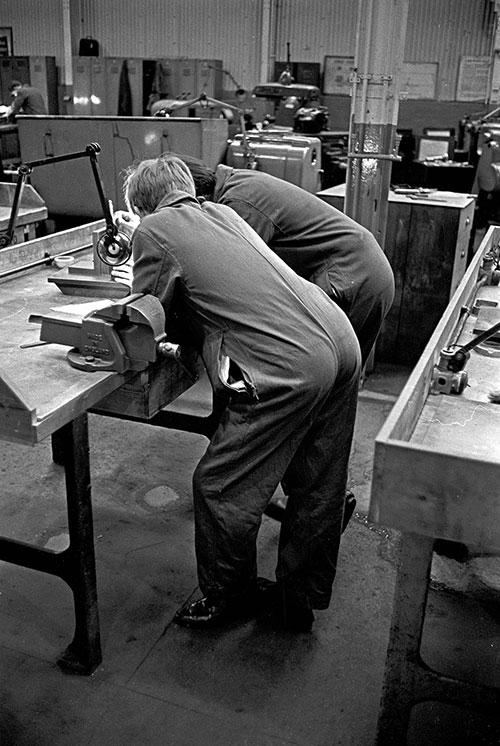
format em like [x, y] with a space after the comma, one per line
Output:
[435, 476]
[42, 396]
[32, 211]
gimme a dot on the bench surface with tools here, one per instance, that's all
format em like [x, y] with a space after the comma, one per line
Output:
[41, 391]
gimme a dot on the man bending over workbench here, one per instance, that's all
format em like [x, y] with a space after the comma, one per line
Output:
[288, 361]
[315, 239]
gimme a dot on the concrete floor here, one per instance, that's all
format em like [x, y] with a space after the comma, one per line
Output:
[245, 685]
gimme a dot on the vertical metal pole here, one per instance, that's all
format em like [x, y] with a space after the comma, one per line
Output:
[265, 39]
[67, 68]
[493, 95]
[380, 41]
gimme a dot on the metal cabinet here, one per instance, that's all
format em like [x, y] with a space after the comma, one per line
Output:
[38, 71]
[69, 189]
[427, 241]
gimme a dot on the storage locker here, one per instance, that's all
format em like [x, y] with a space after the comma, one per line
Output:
[209, 78]
[98, 86]
[113, 74]
[43, 77]
[134, 66]
[82, 86]
[185, 79]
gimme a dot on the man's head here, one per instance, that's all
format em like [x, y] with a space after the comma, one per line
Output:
[149, 182]
[203, 177]
[15, 86]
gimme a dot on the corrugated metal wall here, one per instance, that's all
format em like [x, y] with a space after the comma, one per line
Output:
[228, 30]
[439, 31]
[443, 31]
[36, 26]
[315, 29]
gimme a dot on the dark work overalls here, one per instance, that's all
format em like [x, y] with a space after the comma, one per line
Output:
[290, 361]
[318, 242]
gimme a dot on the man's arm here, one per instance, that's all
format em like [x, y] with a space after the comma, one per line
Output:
[260, 222]
[17, 104]
[154, 273]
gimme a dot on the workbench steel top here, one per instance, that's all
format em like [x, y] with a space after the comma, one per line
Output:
[55, 392]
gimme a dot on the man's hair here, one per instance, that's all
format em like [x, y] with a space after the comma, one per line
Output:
[147, 183]
[14, 84]
[203, 176]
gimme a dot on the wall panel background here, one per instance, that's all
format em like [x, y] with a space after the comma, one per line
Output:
[36, 27]
[439, 31]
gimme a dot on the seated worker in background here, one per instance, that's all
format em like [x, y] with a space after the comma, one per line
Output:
[316, 240]
[27, 100]
[289, 364]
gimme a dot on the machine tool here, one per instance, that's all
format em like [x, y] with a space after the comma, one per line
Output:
[128, 334]
[287, 99]
[281, 153]
[449, 375]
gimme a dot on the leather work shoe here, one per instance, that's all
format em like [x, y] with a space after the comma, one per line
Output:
[277, 512]
[203, 614]
[206, 613]
[349, 507]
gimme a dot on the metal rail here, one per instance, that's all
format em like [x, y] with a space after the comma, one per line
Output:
[45, 260]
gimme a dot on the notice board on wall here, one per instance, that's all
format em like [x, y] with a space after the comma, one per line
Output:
[473, 77]
[419, 80]
[337, 74]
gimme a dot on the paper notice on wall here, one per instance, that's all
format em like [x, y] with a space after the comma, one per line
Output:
[419, 80]
[473, 77]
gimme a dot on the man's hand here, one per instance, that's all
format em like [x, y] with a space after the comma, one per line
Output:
[126, 222]
[123, 273]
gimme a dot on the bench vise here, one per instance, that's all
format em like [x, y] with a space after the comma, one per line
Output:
[128, 334]
[448, 375]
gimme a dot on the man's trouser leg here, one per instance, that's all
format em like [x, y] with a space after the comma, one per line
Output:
[316, 484]
[236, 478]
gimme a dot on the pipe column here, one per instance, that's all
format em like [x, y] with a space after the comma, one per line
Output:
[380, 41]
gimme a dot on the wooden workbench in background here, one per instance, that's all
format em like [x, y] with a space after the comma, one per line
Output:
[427, 242]
[436, 476]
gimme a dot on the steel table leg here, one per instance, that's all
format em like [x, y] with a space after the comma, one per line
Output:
[76, 564]
[408, 680]
[83, 654]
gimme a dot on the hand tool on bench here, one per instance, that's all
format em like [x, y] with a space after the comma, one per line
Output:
[127, 334]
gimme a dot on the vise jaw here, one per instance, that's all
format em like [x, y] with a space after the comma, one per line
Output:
[126, 335]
